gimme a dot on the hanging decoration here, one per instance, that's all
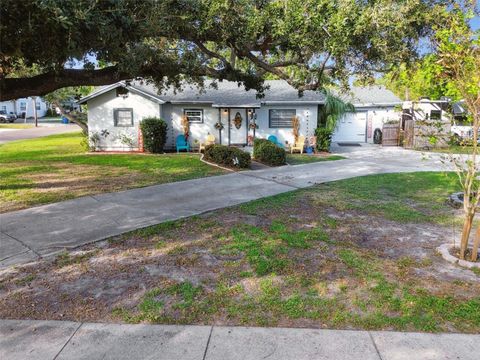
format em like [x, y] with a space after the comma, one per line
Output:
[238, 120]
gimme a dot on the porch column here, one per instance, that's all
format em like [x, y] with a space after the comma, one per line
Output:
[220, 121]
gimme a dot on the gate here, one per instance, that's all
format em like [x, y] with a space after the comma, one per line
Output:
[408, 135]
[390, 134]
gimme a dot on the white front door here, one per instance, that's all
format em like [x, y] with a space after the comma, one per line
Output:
[351, 128]
[238, 126]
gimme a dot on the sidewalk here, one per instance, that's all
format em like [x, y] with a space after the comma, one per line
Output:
[30, 234]
[71, 340]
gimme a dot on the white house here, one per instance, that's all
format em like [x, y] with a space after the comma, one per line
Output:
[115, 111]
[25, 106]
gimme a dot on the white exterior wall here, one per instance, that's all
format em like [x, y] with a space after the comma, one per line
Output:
[306, 113]
[376, 117]
[101, 117]
[15, 107]
[372, 118]
[173, 113]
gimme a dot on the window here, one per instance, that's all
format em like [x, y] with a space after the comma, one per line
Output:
[281, 118]
[4, 108]
[436, 114]
[37, 105]
[194, 115]
[23, 106]
[123, 117]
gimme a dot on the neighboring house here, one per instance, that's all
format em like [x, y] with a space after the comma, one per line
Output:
[115, 111]
[426, 123]
[25, 106]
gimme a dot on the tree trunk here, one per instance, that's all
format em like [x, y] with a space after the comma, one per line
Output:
[71, 118]
[476, 243]
[467, 227]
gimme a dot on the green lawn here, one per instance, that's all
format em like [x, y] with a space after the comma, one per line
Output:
[296, 159]
[352, 254]
[16, 126]
[56, 168]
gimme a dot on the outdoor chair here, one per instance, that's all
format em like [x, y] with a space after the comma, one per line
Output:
[298, 145]
[182, 143]
[273, 139]
[209, 141]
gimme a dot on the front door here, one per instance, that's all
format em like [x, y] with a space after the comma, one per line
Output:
[238, 127]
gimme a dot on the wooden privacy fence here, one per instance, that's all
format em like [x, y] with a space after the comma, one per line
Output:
[390, 135]
[409, 134]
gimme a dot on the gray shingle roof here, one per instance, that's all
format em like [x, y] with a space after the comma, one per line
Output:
[230, 94]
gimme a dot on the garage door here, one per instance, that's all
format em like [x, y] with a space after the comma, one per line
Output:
[351, 128]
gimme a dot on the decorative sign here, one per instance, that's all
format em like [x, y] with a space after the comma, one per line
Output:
[369, 126]
[238, 120]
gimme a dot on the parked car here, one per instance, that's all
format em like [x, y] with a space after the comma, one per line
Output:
[4, 117]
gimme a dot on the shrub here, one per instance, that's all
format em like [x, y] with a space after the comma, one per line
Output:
[324, 139]
[267, 152]
[229, 156]
[154, 132]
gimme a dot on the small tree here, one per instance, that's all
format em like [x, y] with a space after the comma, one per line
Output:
[154, 132]
[330, 113]
[458, 51]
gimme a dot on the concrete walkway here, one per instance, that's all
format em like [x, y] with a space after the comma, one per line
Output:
[31, 133]
[29, 234]
[71, 340]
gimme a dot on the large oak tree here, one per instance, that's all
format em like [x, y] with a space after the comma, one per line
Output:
[309, 43]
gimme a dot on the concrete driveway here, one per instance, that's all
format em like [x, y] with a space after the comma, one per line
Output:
[30, 234]
[7, 135]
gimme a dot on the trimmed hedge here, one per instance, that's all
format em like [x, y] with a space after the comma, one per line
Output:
[228, 156]
[154, 132]
[268, 153]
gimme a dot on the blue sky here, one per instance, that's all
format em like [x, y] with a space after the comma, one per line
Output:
[476, 22]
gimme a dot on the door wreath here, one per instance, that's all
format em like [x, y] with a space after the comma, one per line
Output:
[238, 120]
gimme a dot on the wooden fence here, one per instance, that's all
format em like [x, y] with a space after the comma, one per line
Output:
[390, 135]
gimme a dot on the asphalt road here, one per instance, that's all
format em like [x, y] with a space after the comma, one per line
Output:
[8, 135]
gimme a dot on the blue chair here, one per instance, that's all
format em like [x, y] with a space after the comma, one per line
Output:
[273, 139]
[182, 143]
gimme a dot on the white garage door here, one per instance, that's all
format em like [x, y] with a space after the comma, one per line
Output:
[351, 128]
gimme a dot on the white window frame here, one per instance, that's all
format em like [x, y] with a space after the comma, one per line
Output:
[115, 117]
[281, 123]
[23, 106]
[192, 118]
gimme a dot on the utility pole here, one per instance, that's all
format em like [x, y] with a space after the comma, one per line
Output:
[34, 98]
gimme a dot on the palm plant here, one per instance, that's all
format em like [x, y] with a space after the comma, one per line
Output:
[333, 109]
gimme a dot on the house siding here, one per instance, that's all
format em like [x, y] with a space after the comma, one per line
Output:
[173, 113]
[101, 119]
[306, 113]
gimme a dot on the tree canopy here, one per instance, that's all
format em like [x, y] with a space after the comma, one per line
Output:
[309, 43]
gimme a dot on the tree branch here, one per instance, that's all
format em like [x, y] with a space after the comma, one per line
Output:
[14, 88]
